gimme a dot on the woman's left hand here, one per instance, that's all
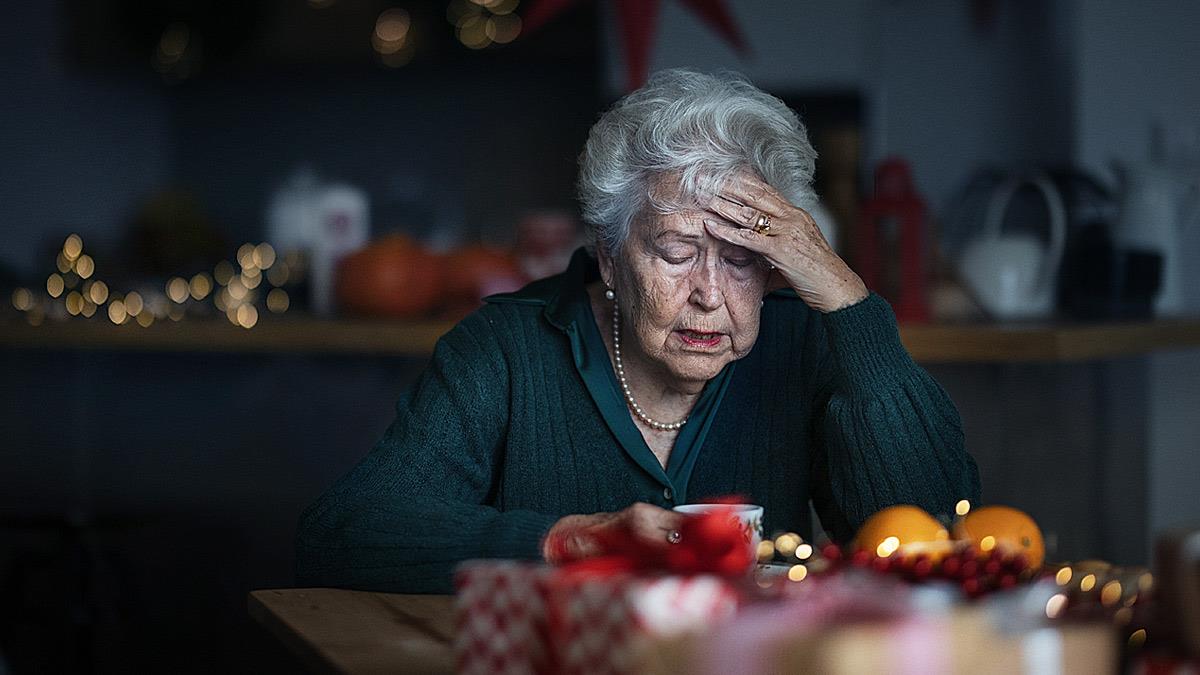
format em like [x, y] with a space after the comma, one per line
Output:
[787, 238]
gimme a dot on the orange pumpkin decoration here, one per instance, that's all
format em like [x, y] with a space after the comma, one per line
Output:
[1010, 529]
[391, 277]
[477, 271]
[906, 529]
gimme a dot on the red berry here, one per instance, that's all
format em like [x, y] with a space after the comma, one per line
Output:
[1008, 581]
[969, 569]
[922, 568]
[972, 587]
[831, 552]
[881, 564]
[950, 567]
[992, 567]
[861, 558]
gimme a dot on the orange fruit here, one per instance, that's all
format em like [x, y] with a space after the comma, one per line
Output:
[905, 529]
[1010, 529]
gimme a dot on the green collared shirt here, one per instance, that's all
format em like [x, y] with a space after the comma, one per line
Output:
[596, 369]
[518, 421]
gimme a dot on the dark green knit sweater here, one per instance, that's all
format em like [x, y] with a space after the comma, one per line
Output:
[500, 437]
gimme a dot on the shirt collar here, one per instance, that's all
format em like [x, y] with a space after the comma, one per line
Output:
[562, 309]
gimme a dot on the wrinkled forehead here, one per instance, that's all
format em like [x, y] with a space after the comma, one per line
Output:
[675, 191]
[677, 205]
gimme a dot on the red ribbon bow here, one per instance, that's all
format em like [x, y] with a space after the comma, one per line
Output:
[710, 543]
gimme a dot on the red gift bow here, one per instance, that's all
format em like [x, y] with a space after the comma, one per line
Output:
[709, 543]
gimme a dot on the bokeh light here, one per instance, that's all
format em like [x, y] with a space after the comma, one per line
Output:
[236, 289]
[245, 255]
[177, 290]
[887, 547]
[278, 301]
[247, 316]
[1055, 605]
[786, 543]
[251, 280]
[264, 256]
[472, 32]
[55, 285]
[200, 286]
[72, 247]
[223, 272]
[1110, 593]
[798, 573]
[1137, 638]
[85, 266]
[134, 304]
[74, 303]
[22, 299]
[98, 292]
[1064, 576]
[116, 312]
[503, 29]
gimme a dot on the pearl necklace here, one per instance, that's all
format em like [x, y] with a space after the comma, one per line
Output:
[633, 405]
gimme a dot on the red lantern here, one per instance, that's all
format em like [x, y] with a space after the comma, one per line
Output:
[891, 242]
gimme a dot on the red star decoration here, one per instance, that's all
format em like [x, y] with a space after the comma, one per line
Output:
[637, 20]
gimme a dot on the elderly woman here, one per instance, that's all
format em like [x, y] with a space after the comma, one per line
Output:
[714, 345]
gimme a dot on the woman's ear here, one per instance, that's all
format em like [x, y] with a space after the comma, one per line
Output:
[607, 268]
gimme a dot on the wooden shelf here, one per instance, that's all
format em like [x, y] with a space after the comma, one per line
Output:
[927, 343]
[1050, 342]
[271, 334]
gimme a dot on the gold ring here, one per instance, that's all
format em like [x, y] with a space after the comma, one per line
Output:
[763, 224]
[673, 537]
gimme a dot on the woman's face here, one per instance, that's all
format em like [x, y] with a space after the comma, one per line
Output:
[690, 302]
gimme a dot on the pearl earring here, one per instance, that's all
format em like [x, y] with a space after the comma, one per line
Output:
[609, 294]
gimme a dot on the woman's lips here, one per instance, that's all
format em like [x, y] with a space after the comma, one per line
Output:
[699, 338]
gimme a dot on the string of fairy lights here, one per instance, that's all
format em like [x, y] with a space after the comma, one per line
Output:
[478, 24]
[256, 277]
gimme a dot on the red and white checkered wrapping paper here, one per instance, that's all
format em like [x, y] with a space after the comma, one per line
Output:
[501, 619]
[525, 618]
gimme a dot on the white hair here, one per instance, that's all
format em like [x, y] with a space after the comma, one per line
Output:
[693, 128]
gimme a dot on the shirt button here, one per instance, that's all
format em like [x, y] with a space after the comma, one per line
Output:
[668, 493]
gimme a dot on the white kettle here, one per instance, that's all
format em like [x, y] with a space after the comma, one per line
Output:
[1014, 276]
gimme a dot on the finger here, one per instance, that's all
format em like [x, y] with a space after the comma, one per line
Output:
[738, 236]
[750, 190]
[734, 212]
[653, 525]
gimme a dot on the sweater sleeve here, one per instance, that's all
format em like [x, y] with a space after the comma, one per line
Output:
[415, 506]
[886, 432]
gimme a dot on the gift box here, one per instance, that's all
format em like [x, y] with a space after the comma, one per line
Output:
[517, 617]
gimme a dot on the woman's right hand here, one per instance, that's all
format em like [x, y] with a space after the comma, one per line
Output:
[585, 536]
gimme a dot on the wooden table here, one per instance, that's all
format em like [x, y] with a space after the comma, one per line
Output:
[337, 631]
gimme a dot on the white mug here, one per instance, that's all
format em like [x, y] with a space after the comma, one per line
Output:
[749, 515]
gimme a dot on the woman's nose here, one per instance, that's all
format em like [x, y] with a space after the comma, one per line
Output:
[706, 291]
